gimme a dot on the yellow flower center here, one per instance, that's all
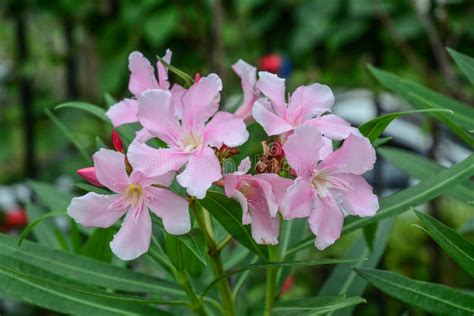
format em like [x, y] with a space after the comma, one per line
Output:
[191, 141]
[134, 193]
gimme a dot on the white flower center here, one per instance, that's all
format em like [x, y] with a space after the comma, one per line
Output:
[321, 181]
[134, 194]
[191, 141]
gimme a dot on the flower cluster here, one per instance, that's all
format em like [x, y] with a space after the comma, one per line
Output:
[299, 175]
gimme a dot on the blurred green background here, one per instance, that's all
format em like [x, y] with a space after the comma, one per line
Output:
[62, 50]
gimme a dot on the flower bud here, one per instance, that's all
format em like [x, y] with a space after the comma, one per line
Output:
[17, 218]
[197, 77]
[117, 141]
[88, 174]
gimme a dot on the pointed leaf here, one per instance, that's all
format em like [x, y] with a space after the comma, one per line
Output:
[458, 248]
[97, 245]
[194, 241]
[431, 297]
[464, 62]
[50, 196]
[319, 305]
[87, 107]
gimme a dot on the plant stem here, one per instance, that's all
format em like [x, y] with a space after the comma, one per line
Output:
[215, 258]
[196, 304]
[224, 242]
[270, 288]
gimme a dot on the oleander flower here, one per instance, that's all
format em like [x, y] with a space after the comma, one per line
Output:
[134, 195]
[307, 105]
[190, 140]
[325, 188]
[259, 196]
[248, 79]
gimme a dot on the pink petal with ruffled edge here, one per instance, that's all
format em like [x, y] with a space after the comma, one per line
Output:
[201, 101]
[333, 126]
[202, 170]
[163, 82]
[172, 209]
[360, 200]
[225, 128]
[134, 236]
[177, 93]
[326, 222]
[298, 200]
[123, 112]
[356, 155]
[302, 150]
[248, 79]
[142, 75]
[110, 169]
[92, 210]
[156, 114]
[265, 228]
[273, 87]
[155, 162]
[271, 122]
[308, 101]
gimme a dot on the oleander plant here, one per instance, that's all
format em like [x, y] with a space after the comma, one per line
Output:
[189, 200]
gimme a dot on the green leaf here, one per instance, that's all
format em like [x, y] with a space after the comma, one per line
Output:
[43, 232]
[459, 249]
[49, 290]
[51, 196]
[68, 135]
[175, 251]
[464, 62]
[194, 241]
[369, 234]
[26, 231]
[97, 245]
[83, 269]
[461, 122]
[91, 188]
[87, 107]
[380, 141]
[344, 280]
[401, 201]
[178, 72]
[318, 305]
[467, 227]
[434, 298]
[229, 214]
[375, 127]
[265, 265]
[421, 168]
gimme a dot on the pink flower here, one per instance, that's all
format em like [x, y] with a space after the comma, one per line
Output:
[134, 195]
[323, 189]
[259, 196]
[189, 139]
[142, 78]
[305, 106]
[248, 77]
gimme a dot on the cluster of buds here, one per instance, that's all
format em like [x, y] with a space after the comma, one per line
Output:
[272, 159]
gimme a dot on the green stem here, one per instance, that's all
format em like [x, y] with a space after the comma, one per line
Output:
[215, 258]
[196, 304]
[270, 287]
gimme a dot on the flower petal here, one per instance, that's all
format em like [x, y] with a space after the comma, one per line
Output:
[279, 185]
[308, 101]
[326, 222]
[271, 122]
[172, 209]
[155, 162]
[201, 101]
[298, 200]
[110, 169]
[237, 195]
[302, 150]
[142, 76]
[356, 155]
[163, 82]
[361, 200]
[123, 112]
[248, 79]
[225, 128]
[202, 170]
[244, 166]
[177, 93]
[142, 136]
[265, 228]
[156, 114]
[273, 87]
[92, 210]
[333, 127]
[133, 238]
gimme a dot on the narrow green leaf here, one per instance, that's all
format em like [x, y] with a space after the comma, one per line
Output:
[43, 232]
[97, 245]
[83, 269]
[87, 107]
[318, 305]
[194, 241]
[178, 72]
[109, 100]
[49, 290]
[68, 135]
[344, 280]
[459, 249]
[91, 188]
[265, 265]
[401, 201]
[174, 251]
[380, 141]
[421, 168]
[369, 234]
[423, 98]
[434, 298]
[464, 62]
[375, 127]
[467, 227]
[50, 196]
[229, 214]
[26, 231]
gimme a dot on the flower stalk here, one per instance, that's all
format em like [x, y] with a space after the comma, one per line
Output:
[270, 288]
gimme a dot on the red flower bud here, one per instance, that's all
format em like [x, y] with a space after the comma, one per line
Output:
[287, 284]
[271, 63]
[16, 218]
[117, 141]
[197, 77]
[88, 174]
